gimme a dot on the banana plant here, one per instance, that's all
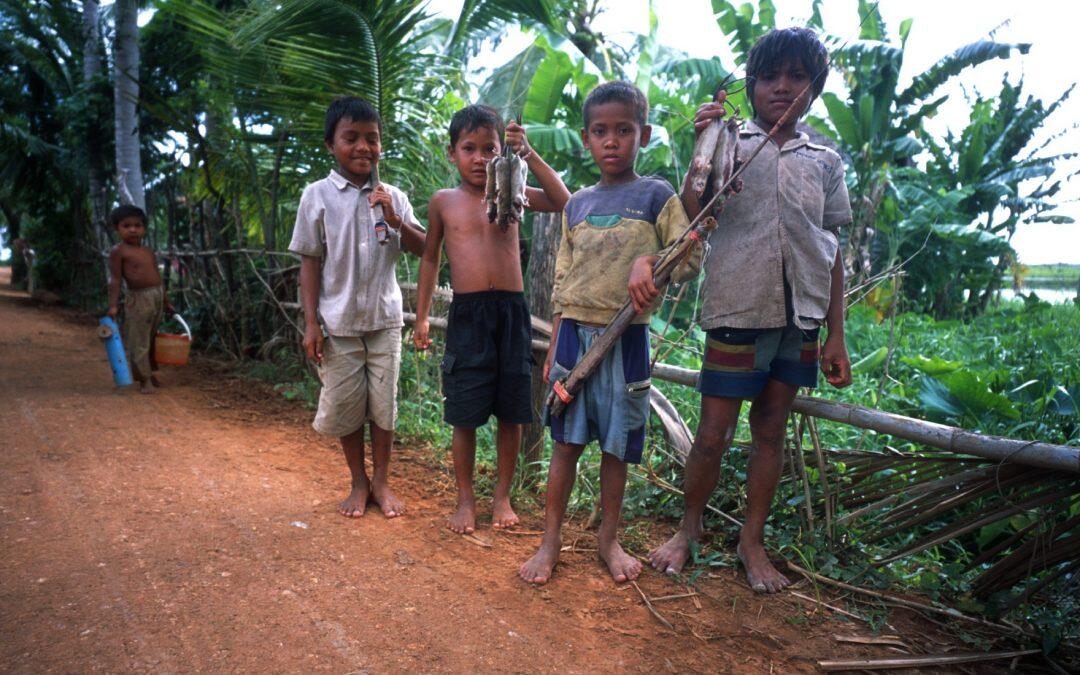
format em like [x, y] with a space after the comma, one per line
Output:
[879, 123]
[1011, 183]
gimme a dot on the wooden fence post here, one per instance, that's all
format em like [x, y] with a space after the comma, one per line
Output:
[546, 230]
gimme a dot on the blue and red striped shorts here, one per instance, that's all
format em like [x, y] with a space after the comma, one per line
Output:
[739, 361]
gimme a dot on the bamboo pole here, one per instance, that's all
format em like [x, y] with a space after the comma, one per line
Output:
[922, 661]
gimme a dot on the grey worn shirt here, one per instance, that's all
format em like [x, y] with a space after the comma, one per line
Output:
[359, 292]
[782, 225]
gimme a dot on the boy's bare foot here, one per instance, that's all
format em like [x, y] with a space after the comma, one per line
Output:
[154, 381]
[502, 514]
[391, 506]
[672, 556]
[356, 502]
[760, 573]
[622, 565]
[145, 388]
[538, 569]
[463, 521]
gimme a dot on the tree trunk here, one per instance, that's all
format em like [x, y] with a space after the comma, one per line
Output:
[545, 245]
[19, 270]
[91, 74]
[126, 95]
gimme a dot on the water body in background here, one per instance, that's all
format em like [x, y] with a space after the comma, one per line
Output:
[1052, 292]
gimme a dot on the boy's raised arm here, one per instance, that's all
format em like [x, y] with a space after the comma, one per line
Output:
[429, 274]
[552, 194]
[115, 270]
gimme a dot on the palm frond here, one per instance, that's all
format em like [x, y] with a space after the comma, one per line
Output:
[969, 55]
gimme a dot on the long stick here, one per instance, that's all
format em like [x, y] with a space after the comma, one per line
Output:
[565, 389]
[922, 661]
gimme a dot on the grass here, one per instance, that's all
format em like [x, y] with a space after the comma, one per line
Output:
[1063, 272]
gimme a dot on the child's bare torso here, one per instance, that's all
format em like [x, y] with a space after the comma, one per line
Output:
[482, 257]
[138, 266]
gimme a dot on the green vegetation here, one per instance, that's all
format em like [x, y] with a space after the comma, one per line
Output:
[230, 104]
[1058, 272]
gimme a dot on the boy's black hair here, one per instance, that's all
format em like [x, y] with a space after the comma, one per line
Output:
[352, 108]
[126, 211]
[786, 45]
[618, 91]
[473, 117]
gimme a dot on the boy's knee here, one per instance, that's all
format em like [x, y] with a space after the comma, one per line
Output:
[567, 451]
[768, 430]
[768, 423]
[713, 445]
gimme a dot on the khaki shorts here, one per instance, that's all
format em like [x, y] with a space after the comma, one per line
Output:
[142, 314]
[359, 382]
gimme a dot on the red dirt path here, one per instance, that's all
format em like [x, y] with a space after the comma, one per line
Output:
[159, 533]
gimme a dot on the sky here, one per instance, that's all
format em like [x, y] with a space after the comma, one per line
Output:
[939, 27]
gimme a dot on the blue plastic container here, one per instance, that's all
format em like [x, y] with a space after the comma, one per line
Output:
[109, 333]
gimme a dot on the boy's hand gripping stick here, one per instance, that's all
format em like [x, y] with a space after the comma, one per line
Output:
[382, 228]
[563, 391]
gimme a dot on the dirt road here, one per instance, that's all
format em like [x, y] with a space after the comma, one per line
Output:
[195, 530]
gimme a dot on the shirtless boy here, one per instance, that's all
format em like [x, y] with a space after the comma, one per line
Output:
[133, 262]
[487, 364]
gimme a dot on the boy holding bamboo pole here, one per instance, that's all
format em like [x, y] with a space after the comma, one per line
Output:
[773, 276]
[612, 233]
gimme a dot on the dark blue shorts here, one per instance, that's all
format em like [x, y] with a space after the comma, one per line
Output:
[487, 367]
[739, 361]
[612, 407]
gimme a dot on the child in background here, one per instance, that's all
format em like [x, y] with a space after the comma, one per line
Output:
[145, 299]
[612, 233]
[773, 275]
[487, 364]
[351, 298]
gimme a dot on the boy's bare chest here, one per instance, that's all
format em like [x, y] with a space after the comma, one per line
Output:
[137, 259]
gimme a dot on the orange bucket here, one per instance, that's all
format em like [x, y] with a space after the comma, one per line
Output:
[171, 349]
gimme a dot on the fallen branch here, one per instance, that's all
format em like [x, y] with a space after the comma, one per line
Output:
[841, 612]
[645, 599]
[904, 602]
[921, 661]
[475, 540]
[677, 596]
[889, 640]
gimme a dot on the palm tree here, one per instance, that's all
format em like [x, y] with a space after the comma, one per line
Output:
[42, 189]
[92, 76]
[126, 84]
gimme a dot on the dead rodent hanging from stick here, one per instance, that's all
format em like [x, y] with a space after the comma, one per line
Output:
[715, 154]
[504, 190]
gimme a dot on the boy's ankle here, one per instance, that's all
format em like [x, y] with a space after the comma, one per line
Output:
[361, 483]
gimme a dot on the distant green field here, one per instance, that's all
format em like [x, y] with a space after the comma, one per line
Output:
[1057, 272]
